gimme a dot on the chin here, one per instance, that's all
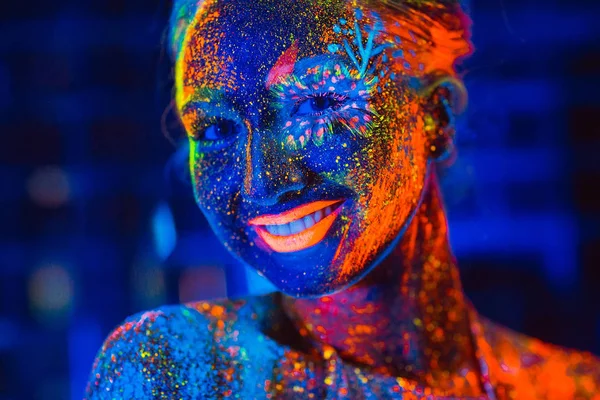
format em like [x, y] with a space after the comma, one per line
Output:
[311, 276]
[316, 280]
[308, 273]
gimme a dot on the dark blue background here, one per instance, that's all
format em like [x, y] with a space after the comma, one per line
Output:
[97, 220]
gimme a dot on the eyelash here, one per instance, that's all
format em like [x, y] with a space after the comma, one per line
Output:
[339, 98]
[200, 127]
[311, 128]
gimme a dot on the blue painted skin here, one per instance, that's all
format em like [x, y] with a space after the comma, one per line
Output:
[179, 352]
[393, 337]
[251, 350]
[243, 166]
[172, 353]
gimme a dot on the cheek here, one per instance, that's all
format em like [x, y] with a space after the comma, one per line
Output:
[393, 162]
[215, 180]
[336, 159]
[388, 181]
[392, 170]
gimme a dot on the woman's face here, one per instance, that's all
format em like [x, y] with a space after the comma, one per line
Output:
[307, 151]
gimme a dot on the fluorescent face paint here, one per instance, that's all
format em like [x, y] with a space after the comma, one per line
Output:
[293, 107]
[308, 158]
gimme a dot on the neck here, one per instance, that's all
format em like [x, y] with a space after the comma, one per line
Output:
[408, 317]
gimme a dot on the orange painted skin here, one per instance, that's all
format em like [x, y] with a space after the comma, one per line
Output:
[296, 105]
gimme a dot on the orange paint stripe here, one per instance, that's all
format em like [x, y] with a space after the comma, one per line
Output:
[301, 240]
[338, 251]
[249, 159]
[293, 214]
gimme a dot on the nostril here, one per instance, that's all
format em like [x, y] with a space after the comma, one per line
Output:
[269, 187]
[291, 195]
[288, 191]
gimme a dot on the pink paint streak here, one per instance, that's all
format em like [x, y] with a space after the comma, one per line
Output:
[284, 65]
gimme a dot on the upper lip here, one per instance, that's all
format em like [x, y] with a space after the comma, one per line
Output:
[293, 214]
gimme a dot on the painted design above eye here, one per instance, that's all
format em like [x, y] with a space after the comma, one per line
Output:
[356, 69]
[323, 97]
[361, 52]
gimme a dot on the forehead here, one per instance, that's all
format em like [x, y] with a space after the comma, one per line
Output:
[232, 44]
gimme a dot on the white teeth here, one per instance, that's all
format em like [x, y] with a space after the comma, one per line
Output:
[308, 221]
[298, 225]
[284, 230]
[318, 216]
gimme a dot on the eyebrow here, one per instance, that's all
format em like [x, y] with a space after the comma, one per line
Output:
[204, 95]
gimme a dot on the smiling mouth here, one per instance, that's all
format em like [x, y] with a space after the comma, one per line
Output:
[298, 228]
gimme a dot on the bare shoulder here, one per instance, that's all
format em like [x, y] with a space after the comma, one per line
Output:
[173, 350]
[524, 365]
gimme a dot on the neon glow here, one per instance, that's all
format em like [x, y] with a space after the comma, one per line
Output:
[293, 107]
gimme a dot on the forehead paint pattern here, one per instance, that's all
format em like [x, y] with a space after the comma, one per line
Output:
[360, 53]
[220, 55]
[351, 88]
[333, 80]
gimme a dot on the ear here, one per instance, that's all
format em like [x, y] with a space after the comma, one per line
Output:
[444, 100]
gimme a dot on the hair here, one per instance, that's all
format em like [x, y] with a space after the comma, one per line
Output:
[440, 29]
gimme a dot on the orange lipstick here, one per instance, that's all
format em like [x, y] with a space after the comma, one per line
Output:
[298, 228]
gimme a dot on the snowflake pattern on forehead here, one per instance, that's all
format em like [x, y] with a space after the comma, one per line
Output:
[365, 41]
[362, 52]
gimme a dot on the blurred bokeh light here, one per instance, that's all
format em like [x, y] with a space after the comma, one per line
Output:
[51, 293]
[49, 187]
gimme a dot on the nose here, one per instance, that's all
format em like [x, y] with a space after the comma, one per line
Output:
[269, 172]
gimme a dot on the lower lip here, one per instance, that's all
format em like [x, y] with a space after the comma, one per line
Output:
[301, 240]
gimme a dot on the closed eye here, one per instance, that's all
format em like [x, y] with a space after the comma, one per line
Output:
[319, 103]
